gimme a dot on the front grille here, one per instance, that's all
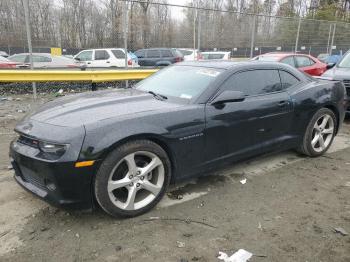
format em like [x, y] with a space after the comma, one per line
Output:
[347, 86]
[28, 141]
[31, 177]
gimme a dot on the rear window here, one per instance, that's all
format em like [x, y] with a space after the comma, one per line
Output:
[118, 53]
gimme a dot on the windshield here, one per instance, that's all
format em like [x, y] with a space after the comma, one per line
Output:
[268, 58]
[180, 81]
[345, 62]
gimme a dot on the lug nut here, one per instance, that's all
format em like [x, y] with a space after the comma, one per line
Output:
[142, 178]
[138, 172]
[131, 176]
[138, 184]
[131, 184]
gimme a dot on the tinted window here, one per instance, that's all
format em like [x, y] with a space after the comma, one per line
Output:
[254, 82]
[303, 61]
[85, 56]
[288, 60]
[18, 58]
[118, 53]
[101, 55]
[140, 53]
[180, 81]
[166, 53]
[39, 58]
[153, 53]
[288, 79]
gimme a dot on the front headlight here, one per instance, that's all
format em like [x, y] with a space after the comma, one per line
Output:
[52, 151]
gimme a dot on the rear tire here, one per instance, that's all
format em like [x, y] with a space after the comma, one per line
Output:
[319, 133]
[132, 179]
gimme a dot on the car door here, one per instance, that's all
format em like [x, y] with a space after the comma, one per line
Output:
[153, 57]
[305, 64]
[85, 56]
[248, 127]
[167, 56]
[101, 59]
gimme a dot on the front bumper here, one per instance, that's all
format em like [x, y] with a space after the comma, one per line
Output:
[58, 183]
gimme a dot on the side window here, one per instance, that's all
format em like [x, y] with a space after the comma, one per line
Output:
[85, 56]
[153, 54]
[254, 82]
[101, 55]
[166, 53]
[288, 79]
[288, 60]
[18, 58]
[39, 58]
[118, 54]
[140, 53]
[303, 61]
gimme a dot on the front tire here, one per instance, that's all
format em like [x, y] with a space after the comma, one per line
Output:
[320, 133]
[132, 179]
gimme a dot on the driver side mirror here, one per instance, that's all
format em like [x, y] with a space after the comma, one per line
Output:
[330, 65]
[77, 58]
[228, 96]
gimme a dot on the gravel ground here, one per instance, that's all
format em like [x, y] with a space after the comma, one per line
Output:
[287, 211]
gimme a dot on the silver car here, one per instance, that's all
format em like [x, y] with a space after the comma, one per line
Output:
[44, 60]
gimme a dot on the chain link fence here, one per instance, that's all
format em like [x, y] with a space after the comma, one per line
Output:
[144, 24]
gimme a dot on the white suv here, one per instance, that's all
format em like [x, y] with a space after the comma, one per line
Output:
[109, 57]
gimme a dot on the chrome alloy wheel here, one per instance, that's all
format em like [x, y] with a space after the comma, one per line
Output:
[322, 133]
[136, 180]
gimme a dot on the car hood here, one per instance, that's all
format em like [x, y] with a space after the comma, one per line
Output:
[89, 107]
[338, 73]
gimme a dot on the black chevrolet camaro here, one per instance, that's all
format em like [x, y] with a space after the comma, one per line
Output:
[122, 148]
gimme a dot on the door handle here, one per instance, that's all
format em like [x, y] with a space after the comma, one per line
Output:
[283, 103]
[107, 62]
[88, 63]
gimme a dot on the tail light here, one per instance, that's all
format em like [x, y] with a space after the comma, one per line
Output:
[178, 59]
[129, 62]
[199, 56]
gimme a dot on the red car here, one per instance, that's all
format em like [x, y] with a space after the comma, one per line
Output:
[5, 63]
[305, 63]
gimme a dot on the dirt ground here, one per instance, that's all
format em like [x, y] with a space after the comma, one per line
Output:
[286, 211]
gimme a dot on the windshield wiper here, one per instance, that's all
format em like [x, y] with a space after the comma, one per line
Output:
[159, 96]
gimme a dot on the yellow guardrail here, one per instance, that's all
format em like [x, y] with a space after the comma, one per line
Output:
[73, 76]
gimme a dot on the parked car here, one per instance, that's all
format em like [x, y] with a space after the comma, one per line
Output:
[305, 63]
[158, 56]
[5, 63]
[123, 147]
[341, 72]
[216, 55]
[328, 59]
[190, 54]
[4, 54]
[43, 60]
[109, 57]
